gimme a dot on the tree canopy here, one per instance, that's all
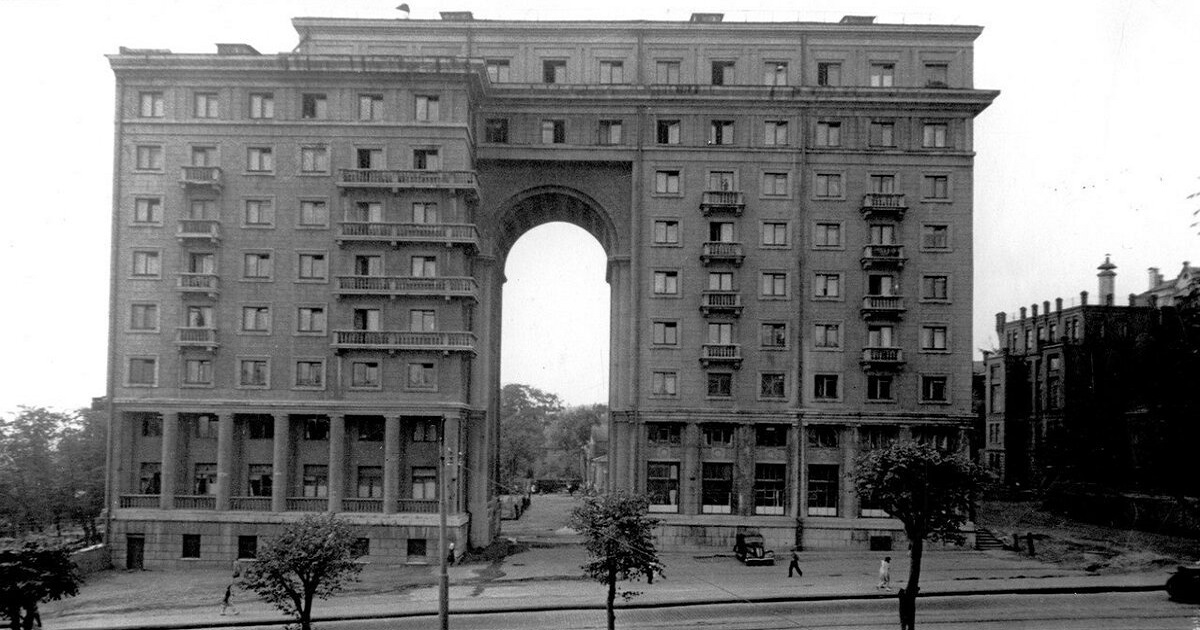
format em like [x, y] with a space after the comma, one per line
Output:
[540, 437]
[618, 535]
[32, 573]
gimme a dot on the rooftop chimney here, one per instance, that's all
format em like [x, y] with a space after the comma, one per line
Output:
[1155, 278]
[858, 19]
[707, 17]
[236, 49]
[457, 16]
[1107, 281]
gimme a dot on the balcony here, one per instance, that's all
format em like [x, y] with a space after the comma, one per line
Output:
[195, 502]
[882, 307]
[883, 257]
[140, 501]
[883, 206]
[729, 354]
[362, 506]
[721, 303]
[395, 181]
[198, 283]
[722, 201]
[722, 252]
[201, 177]
[199, 230]
[193, 337]
[403, 341]
[397, 233]
[418, 506]
[402, 286]
[250, 504]
[882, 358]
[307, 504]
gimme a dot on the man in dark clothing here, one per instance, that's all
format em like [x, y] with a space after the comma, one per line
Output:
[795, 564]
[908, 610]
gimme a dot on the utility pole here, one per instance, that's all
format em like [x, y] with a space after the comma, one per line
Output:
[443, 550]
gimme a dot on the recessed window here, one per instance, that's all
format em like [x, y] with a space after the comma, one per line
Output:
[426, 160]
[720, 384]
[366, 319]
[370, 482]
[774, 234]
[879, 387]
[662, 486]
[415, 547]
[823, 436]
[828, 186]
[770, 488]
[665, 333]
[829, 134]
[147, 210]
[773, 335]
[258, 480]
[365, 374]
[824, 485]
[935, 187]
[312, 267]
[666, 182]
[149, 157]
[770, 435]
[422, 375]
[495, 130]
[554, 71]
[934, 338]
[146, 264]
[428, 108]
[151, 105]
[316, 428]
[425, 431]
[314, 213]
[612, 72]
[204, 480]
[937, 75]
[424, 484]
[310, 319]
[883, 74]
[197, 372]
[664, 433]
[365, 212]
[772, 385]
[313, 107]
[935, 288]
[253, 373]
[422, 320]
[827, 286]
[143, 317]
[425, 212]
[247, 547]
[936, 135]
[256, 266]
[722, 73]
[666, 232]
[883, 134]
[262, 105]
[370, 106]
[314, 483]
[314, 159]
[720, 281]
[666, 282]
[934, 389]
[827, 336]
[825, 387]
[150, 477]
[774, 284]
[609, 132]
[720, 132]
[664, 384]
[143, 372]
[498, 70]
[261, 427]
[206, 105]
[368, 158]
[827, 235]
[829, 74]
[191, 546]
[554, 131]
[717, 435]
[668, 132]
[775, 73]
[260, 159]
[424, 266]
[204, 156]
[775, 133]
[256, 319]
[775, 185]
[666, 72]
[883, 184]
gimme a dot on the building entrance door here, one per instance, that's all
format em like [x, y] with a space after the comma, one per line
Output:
[135, 552]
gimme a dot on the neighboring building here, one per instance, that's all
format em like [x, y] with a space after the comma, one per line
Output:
[1162, 292]
[309, 253]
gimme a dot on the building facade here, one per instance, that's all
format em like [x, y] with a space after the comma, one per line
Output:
[309, 258]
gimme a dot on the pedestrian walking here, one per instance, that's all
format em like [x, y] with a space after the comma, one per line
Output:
[227, 602]
[794, 565]
[885, 573]
[450, 556]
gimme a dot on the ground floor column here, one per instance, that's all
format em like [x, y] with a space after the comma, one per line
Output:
[170, 441]
[337, 461]
[279, 463]
[391, 463]
[849, 498]
[224, 459]
[452, 451]
[794, 477]
[690, 478]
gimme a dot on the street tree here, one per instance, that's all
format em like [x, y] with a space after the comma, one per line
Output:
[79, 471]
[31, 574]
[567, 435]
[928, 490]
[618, 536]
[524, 416]
[312, 559]
[27, 448]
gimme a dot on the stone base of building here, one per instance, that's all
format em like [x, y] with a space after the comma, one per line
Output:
[716, 534]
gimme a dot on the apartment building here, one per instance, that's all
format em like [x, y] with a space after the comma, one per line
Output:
[310, 247]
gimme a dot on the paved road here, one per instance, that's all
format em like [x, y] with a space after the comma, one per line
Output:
[1110, 611]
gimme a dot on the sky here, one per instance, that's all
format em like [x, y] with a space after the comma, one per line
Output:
[1089, 150]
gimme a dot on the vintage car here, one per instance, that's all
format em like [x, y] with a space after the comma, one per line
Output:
[1184, 585]
[751, 551]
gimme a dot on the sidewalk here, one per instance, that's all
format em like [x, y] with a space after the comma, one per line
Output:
[548, 577]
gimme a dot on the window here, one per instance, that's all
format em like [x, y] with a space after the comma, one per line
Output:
[147, 210]
[365, 212]
[720, 333]
[774, 285]
[774, 234]
[256, 266]
[498, 70]
[253, 373]
[369, 158]
[149, 157]
[829, 74]
[554, 71]
[775, 185]
[314, 160]
[371, 430]
[204, 480]
[143, 317]
[202, 209]
[872, 438]
[314, 213]
[827, 286]
[823, 437]
[879, 387]
[937, 75]
[664, 433]
[770, 487]
[666, 72]
[829, 185]
[827, 336]
[883, 74]
[666, 282]
[368, 265]
[312, 267]
[773, 335]
[720, 384]
[722, 180]
[150, 477]
[881, 336]
[424, 483]
[666, 232]
[668, 132]
[260, 159]
[316, 428]
[666, 182]
[370, 106]
[151, 105]
[310, 319]
[825, 387]
[426, 160]
[261, 427]
[722, 73]
[554, 131]
[666, 333]
[612, 72]
[934, 338]
[883, 134]
[717, 435]
[495, 130]
[716, 489]
[770, 435]
[881, 284]
[201, 262]
[935, 135]
[315, 482]
[883, 184]
[720, 281]
[310, 374]
[772, 385]
[247, 547]
[206, 105]
[720, 132]
[933, 389]
[146, 264]
[775, 133]
[882, 233]
[609, 132]
[370, 482]
[365, 318]
[428, 109]
[425, 431]
[361, 547]
[775, 73]
[827, 235]
[823, 489]
[204, 156]
[313, 107]
[935, 236]
[425, 212]
[935, 288]
[422, 376]
[662, 486]
[364, 374]
[664, 384]
[256, 318]
[191, 546]
[829, 134]
[935, 187]
[720, 232]
[197, 372]
[262, 105]
[424, 266]
[258, 480]
[416, 547]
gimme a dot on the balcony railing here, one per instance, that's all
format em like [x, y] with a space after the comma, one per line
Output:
[721, 251]
[362, 505]
[139, 501]
[396, 233]
[882, 306]
[199, 229]
[883, 256]
[195, 502]
[721, 302]
[408, 179]
[307, 504]
[190, 337]
[883, 205]
[201, 176]
[721, 353]
[722, 201]
[419, 506]
[205, 283]
[250, 504]
[407, 286]
[882, 357]
[403, 340]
